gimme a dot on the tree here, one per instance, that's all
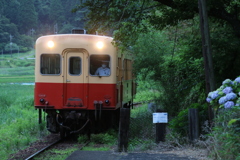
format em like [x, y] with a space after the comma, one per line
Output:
[6, 29]
[27, 16]
[127, 16]
[222, 10]
[56, 12]
[11, 11]
[181, 72]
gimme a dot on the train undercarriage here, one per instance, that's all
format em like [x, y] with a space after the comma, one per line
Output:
[67, 122]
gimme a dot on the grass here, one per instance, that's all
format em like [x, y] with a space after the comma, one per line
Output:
[142, 129]
[18, 118]
[57, 154]
[17, 69]
[17, 79]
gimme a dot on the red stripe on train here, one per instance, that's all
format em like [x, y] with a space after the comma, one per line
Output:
[74, 95]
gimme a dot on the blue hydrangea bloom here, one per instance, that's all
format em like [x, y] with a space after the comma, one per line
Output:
[237, 80]
[227, 81]
[231, 96]
[214, 95]
[229, 104]
[208, 99]
[222, 100]
[227, 90]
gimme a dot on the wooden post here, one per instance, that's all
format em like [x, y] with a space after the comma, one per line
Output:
[160, 130]
[206, 50]
[123, 129]
[193, 120]
[40, 116]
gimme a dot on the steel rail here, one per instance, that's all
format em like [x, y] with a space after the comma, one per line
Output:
[36, 153]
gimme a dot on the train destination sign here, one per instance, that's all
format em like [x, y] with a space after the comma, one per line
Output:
[160, 117]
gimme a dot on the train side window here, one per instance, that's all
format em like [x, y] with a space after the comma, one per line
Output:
[100, 65]
[50, 64]
[75, 65]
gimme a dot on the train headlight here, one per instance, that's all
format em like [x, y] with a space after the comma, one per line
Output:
[50, 44]
[100, 45]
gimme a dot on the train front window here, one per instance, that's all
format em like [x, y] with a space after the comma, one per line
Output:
[50, 64]
[75, 65]
[100, 65]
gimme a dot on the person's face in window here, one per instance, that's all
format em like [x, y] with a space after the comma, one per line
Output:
[104, 65]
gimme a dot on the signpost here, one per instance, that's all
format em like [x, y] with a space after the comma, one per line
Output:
[161, 120]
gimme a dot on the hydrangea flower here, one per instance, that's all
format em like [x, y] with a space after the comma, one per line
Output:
[222, 100]
[227, 81]
[230, 96]
[208, 99]
[227, 90]
[237, 80]
[229, 104]
[214, 95]
[227, 95]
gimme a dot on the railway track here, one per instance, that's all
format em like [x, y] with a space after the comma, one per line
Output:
[43, 149]
[51, 145]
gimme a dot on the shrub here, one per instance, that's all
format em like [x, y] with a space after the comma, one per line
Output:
[179, 124]
[104, 138]
[225, 135]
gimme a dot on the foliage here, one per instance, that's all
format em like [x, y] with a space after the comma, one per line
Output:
[94, 148]
[18, 119]
[61, 154]
[166, 67]
[26, 20]
[179, 124]
[147, 89]
[225, 134]
[227, 95]
[109, 138]
[141, 129]
[127, 18]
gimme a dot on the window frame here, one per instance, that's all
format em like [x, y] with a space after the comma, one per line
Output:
[60, 64]
[109, 64]
[80, 66]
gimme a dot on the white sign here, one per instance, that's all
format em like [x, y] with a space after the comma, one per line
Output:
[160, 117]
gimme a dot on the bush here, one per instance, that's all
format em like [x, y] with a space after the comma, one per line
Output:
[179, 124]
[104, 138]
[225, 135]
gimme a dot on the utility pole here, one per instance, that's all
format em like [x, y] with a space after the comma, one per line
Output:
[18, 51]
[206, 50]
[56, 28]
[32, 32]
[11, 43]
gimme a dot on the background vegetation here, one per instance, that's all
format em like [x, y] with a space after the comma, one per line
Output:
[22, 21]
[163, 35]
[18, 118]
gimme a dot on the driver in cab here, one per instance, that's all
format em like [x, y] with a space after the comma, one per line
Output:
[103, 70]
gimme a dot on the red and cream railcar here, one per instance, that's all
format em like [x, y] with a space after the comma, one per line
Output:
[69, 88]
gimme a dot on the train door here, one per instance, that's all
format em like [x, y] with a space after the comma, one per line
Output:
[73, 79]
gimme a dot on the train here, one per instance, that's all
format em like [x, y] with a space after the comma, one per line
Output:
[81, 82]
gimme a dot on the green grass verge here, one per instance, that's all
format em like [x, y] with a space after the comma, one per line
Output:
[18, 119]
